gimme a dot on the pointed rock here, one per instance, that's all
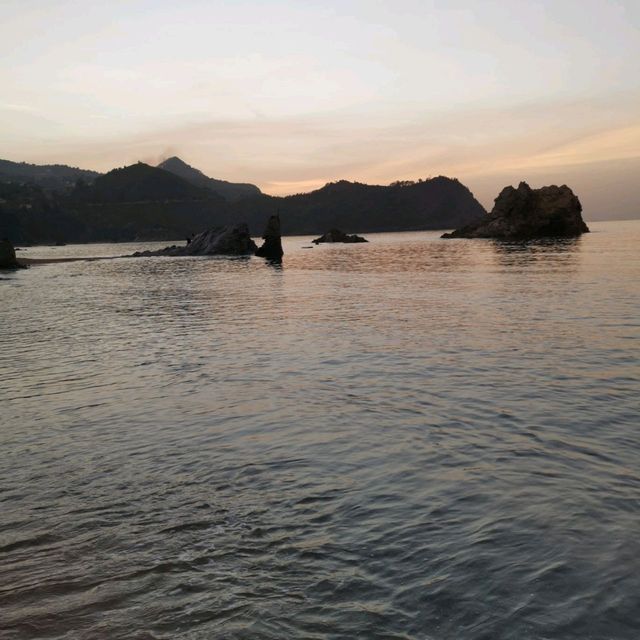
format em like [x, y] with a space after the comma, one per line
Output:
[272, 246]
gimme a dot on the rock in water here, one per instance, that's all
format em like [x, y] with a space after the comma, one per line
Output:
[8, 256]
[272, 246]
[233, 240]
[525, 213]
[335, 235]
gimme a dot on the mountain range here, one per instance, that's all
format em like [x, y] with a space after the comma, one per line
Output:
[174, 200]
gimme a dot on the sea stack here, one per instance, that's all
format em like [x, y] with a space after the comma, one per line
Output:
[526, 214]
[272, 246]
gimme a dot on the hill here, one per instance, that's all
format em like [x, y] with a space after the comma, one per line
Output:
[231, 191]
[50, 177]
[138, 202]
[139, 183]
[141, 202]
[437, 203]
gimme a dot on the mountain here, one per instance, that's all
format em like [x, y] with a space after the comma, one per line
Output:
[141, 202]
[50, 177]
[437, 203]
[139, 182]
[231, 191]
[138, 202]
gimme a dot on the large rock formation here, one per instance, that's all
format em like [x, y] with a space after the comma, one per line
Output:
[8, 256]
[272, 246]
[233, 240]
[335, 235]
[525, 213]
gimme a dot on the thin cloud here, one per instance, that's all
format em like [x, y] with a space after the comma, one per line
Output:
[22, 108]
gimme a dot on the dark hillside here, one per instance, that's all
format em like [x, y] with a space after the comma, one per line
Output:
[141, 202]
[29, 215]
[438, 203]
[140, 183]
[50, 177]
[231, 191]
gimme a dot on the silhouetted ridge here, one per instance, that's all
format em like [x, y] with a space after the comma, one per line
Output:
[229, 190]
[437, 203]
[140, 183]
[50, 177]
[141, 202]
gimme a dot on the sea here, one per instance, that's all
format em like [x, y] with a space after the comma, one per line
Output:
[412, 438]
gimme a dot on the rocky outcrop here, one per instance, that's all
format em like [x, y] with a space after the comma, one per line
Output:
[525, 213]
[233, 240]
[272, 246]
[335, 235]
[8, 256]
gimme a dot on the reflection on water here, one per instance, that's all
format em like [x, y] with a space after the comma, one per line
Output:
[411, 438]
[546, 253]
[411, 254]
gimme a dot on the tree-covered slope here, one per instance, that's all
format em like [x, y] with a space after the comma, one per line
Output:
[50, 177]
[438, 203]
[141, 202]
[231, 191]
[140, 182]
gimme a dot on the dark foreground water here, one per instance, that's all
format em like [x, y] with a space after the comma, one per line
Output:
[414, 438]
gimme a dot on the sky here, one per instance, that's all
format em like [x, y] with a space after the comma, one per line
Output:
[291, 95]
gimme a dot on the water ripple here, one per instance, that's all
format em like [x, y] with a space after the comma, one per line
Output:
[406, 439]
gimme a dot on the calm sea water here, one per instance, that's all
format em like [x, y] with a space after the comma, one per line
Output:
[413, 438]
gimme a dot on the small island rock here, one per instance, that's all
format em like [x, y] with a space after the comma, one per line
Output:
[335, 235]
[272, 246]
[525, 213]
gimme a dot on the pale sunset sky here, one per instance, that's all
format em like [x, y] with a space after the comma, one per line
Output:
[291, 95]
